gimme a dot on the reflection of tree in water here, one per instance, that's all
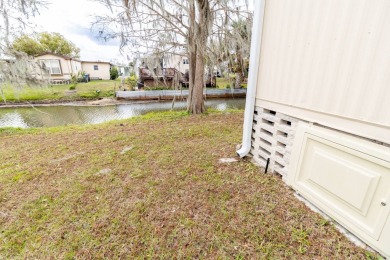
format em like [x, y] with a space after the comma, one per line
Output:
[96, 115]
[67, 115]
[10, 117]
[58, 115]
[29, 117]
[50, 116]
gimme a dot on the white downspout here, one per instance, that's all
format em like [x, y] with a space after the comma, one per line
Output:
[254, 61]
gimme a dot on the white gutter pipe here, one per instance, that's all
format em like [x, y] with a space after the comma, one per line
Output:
[257, 31]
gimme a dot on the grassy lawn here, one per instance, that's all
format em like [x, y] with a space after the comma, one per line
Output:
[151, 187]
[57, 92]
[224, 82]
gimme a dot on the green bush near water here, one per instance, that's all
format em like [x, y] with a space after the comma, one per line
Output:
[131, 82]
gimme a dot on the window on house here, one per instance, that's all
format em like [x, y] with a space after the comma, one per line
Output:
[185, 61]
[95, 67]
[52, 66]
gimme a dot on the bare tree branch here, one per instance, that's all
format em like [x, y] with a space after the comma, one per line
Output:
[198, 29]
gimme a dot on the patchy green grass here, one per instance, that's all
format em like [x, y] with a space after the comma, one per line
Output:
[226, 83]
[151, 187]
[90, 90]
[223, 82]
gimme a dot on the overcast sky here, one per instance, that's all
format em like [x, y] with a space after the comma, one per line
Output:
[73, 18]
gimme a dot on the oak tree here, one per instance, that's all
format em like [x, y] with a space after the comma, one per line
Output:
[182, 27]
[46, 42]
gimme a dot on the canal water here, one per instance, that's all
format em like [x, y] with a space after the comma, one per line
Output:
[48, 116]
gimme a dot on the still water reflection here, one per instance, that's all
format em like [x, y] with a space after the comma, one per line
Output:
[65, 115]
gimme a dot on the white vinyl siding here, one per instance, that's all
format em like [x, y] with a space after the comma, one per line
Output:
[324, 67]
[323, 58]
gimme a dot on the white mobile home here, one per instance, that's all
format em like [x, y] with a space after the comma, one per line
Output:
[318, 107]
[61, 68]
[97, 69]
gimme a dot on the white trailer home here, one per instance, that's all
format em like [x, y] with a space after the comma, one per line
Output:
[318, 107]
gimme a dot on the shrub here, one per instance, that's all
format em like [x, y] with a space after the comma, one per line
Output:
[131, 82]
[114, 74]
[81, 76]
[73, 79]
[72, 87]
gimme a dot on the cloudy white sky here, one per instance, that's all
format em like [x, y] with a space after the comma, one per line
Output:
[73, 18]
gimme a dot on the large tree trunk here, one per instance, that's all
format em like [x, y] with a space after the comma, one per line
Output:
[197, 103]
[198, 34]
[239, 69]
[239, 79]
[192, 71]
[191, 53]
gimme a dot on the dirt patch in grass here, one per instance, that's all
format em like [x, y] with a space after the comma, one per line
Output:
[71, 192]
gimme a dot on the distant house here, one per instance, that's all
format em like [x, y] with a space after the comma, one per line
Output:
[170, 72]
[61, 68]
[178, 62]
[123, 70]
[97, 69]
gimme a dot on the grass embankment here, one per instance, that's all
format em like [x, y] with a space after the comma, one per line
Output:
[84, 91]
[151, 187]
[223, 82]
[226, 83]
[57, 93]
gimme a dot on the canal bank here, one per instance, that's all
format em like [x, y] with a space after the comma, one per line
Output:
[48, 103]
[128, 97]
[178, 94]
